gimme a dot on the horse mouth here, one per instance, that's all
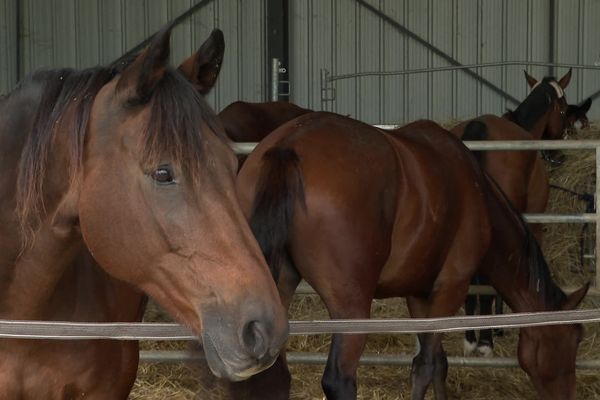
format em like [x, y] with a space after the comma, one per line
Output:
[233, 371]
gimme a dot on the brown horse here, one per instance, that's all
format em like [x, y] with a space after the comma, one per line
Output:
[127, 164]
[251, 122]
[360, 213]
[521, 175]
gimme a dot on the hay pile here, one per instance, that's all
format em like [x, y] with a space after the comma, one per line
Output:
[562, 249]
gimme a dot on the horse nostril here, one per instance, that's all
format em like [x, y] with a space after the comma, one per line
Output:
[254, 339]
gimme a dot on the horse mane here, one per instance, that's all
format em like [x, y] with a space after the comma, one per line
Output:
[62, 88]
[534, 105]
[178, 115]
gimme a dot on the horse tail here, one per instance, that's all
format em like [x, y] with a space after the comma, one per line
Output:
[476, 130]
[280, 185]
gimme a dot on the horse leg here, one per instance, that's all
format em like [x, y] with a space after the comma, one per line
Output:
[485, 345]
[430, 360]
[470, 343]
[431, 363]
[339, 377]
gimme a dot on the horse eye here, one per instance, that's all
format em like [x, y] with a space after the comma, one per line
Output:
[163, 175]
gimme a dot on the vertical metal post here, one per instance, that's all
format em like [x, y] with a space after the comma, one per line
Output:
[323, 89]
[552, 37]
[597, 199]
[275, 79]
[19, 28]
[277, 34]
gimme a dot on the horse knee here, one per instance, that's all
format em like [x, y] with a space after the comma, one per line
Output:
[337, 386]
[421, 370]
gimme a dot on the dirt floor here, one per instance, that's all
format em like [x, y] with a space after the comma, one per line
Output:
[562, 248]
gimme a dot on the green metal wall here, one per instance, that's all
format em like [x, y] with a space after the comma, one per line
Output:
[83, 33]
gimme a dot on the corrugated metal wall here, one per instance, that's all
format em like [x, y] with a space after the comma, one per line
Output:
[340, 35]
[86, 33]
[347, 37]
[8, 44]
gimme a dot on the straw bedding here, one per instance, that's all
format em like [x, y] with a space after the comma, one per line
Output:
[561, 246]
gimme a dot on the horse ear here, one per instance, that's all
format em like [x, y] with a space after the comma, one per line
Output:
[531, 81]
[564, 81]
[585, 106]
[203, 67]
[139, 79]
[574, 299]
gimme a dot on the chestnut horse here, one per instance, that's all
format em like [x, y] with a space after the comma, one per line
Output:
[127, 165]
[521, 175]
[360, 214]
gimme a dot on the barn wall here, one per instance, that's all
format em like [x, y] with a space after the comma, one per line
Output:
[578, 41]
[87, 33]
[344, 37]
[340, 35]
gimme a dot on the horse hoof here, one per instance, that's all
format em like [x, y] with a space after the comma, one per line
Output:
[468, 347]
[485, 351]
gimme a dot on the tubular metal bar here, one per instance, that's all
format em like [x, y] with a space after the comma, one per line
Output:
[275, 79]
[332, 78]
[305, 289]
[493, 145]
[597, 283]
[11, 329]
[367, 359]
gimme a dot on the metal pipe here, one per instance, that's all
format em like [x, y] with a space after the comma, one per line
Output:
[275, 79]
[164, 356]
[332, 78]
[597, 210]
[324, 89]
[493, 145]
[18, 55]
[304, 289]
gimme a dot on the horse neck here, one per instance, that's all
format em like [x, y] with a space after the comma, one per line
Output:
[513, 257]
[86, 293]
[530, 117]
[30, 274]
[538, 129]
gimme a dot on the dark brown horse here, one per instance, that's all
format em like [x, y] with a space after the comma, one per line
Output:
[521, 175]
[251, 122]
[578, 113]
[127, 164]
[360, 213]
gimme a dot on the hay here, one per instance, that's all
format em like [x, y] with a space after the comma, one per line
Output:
[561, 247]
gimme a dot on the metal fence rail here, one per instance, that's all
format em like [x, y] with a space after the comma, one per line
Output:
[15, 329]
[401, 360]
